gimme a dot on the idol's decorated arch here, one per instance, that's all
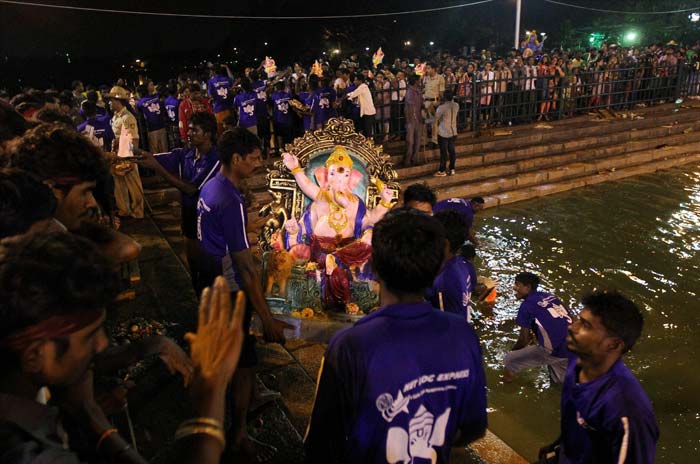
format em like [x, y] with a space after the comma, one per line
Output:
[328, 192]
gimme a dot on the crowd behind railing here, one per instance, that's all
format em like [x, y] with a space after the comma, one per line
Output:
[520, 87]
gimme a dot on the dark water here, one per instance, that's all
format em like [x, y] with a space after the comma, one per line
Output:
[641, 236]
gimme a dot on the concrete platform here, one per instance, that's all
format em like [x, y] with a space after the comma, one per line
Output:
[292, 370]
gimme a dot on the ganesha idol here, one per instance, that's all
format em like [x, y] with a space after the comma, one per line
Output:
[335, 229]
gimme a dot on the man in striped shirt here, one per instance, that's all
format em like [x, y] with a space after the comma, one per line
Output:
[605, 415]
[544, 315]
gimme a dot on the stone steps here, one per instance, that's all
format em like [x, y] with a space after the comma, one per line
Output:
[503, 168]
[502, 191]
[500, 163]
[566, 135]
[541, 190]
[492, 173]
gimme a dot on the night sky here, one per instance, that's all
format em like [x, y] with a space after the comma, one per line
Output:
[41, 46]
[29, 31]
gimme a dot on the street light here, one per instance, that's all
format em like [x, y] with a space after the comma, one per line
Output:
[694, 17]
[518, 8]
[432, 43]
[336, 51]
[407, 43]
[366, 49]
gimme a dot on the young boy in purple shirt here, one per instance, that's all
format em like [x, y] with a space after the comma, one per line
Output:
[452, 289]
[388, 391]
[546, 316]
[467, 208]
[225, 250]
[188, 169]
[245, 103]
[606, 417]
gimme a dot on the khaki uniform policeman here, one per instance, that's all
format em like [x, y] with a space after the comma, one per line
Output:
[433, 88]
[128, 191]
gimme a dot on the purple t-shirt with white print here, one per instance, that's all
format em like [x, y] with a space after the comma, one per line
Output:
[545, 314]
[281, 109]
[607, 420]
[219, 89]
[246, 103]
[222, 220]
[152, 110]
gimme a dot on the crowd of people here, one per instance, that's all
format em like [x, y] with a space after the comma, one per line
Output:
[387, 391]
[388, 101]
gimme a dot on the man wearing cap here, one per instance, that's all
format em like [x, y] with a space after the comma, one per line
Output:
[467, 208]
[128, 190]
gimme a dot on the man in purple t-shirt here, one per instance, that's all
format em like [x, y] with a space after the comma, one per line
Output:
[544, 315]
[188, 169]
[261, 110]
[388, 390]
[606, 417]
[467, 208]
[452, 289]
[221, 230]
[172, 109]
[322, 104]
[220, 89]
[282, 116]
[246, 104]
[154, 114]
[97, 128]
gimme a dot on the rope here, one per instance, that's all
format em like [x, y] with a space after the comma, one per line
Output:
[622, 12]
[208, 16]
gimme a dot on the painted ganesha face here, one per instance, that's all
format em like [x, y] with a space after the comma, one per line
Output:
[339, 178]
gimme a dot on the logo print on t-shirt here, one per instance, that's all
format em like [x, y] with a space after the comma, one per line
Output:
[283, 107]
[153, 107]
[222, 92]
[390, 407]
[249, 109]
[424, 434]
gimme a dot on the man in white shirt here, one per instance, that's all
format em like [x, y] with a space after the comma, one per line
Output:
[397, 97]
[367, 110]
[446, 120]
[530, 71]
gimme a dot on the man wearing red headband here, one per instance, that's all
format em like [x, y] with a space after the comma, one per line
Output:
[54, 290]
[72, 166]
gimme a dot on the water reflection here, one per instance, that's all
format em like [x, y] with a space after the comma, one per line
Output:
[640, 236]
